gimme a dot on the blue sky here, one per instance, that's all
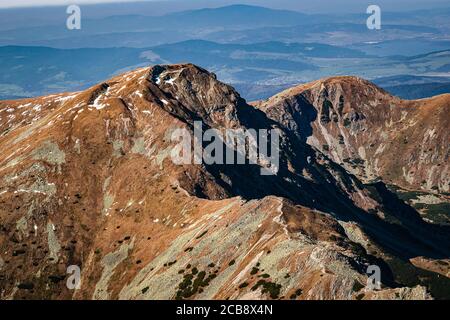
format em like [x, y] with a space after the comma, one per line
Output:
[28, 3]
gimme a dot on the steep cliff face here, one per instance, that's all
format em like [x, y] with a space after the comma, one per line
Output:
[375, 136]
[371, 133]
[87, 179]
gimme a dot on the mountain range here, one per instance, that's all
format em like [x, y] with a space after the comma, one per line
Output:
[258, 50]
[257, 70]
[87, 180]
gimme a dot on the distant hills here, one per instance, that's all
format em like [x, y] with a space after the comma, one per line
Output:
[414, 87]
[258, 70]
[258, 50]
[237, 24]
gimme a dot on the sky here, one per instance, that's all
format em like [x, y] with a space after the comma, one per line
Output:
[29, 3]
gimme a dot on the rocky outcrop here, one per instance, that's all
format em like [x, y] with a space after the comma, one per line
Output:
[369, 132]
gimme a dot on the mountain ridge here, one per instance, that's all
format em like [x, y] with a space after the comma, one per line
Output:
[97, 162]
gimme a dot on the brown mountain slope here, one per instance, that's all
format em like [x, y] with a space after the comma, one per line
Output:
[375, 136]
[370, 132]
[86, 179]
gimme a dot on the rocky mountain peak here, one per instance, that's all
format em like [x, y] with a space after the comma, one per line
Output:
[192, 92]
[87, 179]
[368, 130]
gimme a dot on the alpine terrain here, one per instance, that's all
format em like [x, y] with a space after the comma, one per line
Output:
[87, 181]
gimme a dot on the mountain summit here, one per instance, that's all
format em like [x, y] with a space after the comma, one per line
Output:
[87, 182]
[371, 133]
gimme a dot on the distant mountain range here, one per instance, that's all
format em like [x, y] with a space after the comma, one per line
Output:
[244, 24]
[258, 50]
[415, 87]
[258, 70]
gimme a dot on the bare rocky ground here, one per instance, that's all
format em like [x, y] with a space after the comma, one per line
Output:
[86, 179]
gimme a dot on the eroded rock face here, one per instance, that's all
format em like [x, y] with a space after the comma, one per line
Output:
[86, 179]
[371, 133]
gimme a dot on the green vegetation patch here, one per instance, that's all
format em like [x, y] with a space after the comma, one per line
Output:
[254, 271]
[193, 283]
[272, 288]
[296, 294]
[357, 286]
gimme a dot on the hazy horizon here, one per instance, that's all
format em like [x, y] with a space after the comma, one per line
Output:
[259, 51]
[325, 6]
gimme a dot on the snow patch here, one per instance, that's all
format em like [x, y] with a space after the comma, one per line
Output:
[170, 81]
[97, 105]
